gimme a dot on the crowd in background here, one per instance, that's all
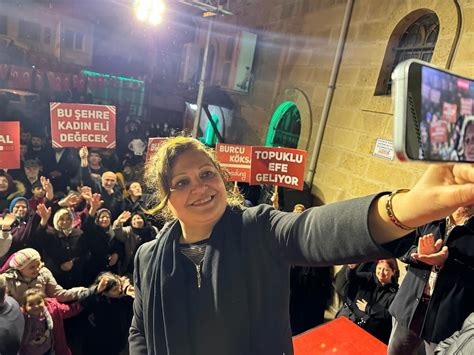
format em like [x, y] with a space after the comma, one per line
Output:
[73, 218]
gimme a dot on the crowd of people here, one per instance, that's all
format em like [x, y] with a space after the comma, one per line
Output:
[74, 220]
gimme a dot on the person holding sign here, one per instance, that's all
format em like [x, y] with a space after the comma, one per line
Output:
[216, 279]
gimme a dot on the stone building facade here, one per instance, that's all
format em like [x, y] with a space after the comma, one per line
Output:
[295, 53]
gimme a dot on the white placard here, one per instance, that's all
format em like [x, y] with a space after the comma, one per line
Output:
[384, 149]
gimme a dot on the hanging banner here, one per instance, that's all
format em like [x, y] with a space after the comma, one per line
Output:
[278, 166]
[236, 160]
[39, 80]
[10, 145]
[439, 132]
[450, 112]
[20, 78]
[153, 146]
[79, 125]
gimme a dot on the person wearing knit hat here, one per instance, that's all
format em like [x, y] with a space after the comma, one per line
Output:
[26, 270]
[62, 220]
[22, 259]
[19, 207]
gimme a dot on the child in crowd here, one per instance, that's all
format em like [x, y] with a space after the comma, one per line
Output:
[26, 270]
[44, 328]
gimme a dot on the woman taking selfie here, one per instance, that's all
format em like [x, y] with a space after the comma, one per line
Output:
[216, 280]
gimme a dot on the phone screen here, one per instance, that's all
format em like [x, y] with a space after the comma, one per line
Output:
[442, 115]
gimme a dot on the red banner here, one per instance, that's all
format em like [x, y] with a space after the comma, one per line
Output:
[439, 132]
[278, 166]
[39, 80]
[153, 146]
[20, 78]
[79, 82]
[59, 81]
[9, 145]
[78, 125]
[466, 106]
[236, 160]
[450, 112]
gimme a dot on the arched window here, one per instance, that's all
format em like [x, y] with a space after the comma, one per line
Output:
[409, 40]
[285, 126]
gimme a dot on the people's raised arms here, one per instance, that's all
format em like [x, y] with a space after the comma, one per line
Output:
[47, 187]
[86, 193]
[83, 153]
[123, 217]
[95, 202]
[44, 213]
[7, 221]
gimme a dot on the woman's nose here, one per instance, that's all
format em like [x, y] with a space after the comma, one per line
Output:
[199, 186]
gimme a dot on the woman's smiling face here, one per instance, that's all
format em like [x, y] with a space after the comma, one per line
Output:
[198, 195]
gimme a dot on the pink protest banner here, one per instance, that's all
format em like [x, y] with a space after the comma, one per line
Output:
[153, 146]
[439, 132]
[450, 112]
[466, 106]
[10, 145]
[278, 166]
[79, 125]
[236, 160]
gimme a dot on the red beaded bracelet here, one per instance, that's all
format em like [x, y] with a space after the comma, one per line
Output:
[389, 209]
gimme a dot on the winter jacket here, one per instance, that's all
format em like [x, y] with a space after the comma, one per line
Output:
[46, 282]
[451, 301]
[237, 303]
[59, 312]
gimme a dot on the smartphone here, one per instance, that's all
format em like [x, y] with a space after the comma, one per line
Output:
[433, 113]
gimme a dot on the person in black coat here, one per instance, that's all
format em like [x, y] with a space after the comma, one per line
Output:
[375, 292]
[106, 252]
[64, 249]
[437, 293]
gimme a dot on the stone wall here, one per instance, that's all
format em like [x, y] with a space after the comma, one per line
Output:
[295, 52]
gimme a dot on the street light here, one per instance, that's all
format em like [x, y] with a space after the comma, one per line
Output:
[150, 11]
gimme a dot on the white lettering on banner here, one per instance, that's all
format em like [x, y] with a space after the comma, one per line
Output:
[5, 139]
[239, 159]
[278, 167]
[74, 125]
[271, 178]
[64, 112]
[83, 137]
[101, 126]
[100, 115]
[283, 156]
[231, 149]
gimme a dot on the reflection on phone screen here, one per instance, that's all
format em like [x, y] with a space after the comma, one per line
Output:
[446, 119]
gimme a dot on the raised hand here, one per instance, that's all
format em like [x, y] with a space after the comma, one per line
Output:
[96, 201]
[70, 200]
[83, 153]
[7, 220]
[47, 187]
[124, 217]
[86, 193]
[44, 213]
[431, 252]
